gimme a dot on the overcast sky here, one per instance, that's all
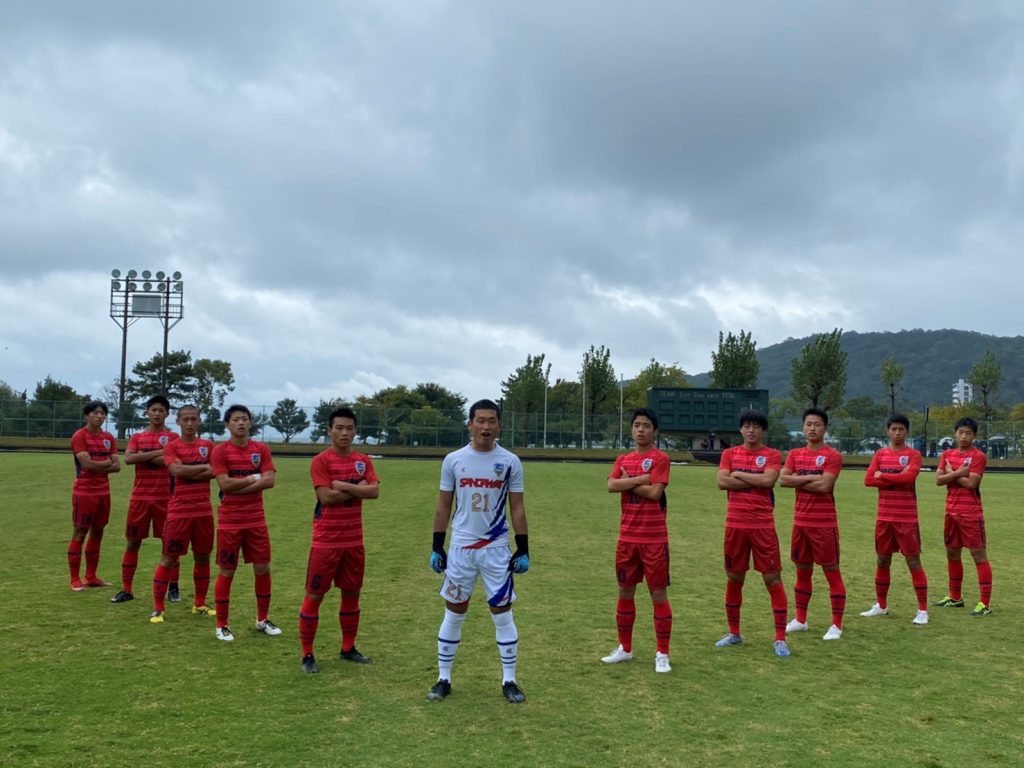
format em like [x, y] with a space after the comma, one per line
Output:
[367, 194]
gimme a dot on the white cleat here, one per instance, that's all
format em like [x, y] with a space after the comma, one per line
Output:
[834, 633]
[875, 610]
[921, 618]
[223, 633]
[267, 627]
[620, 655]
[661, 662]
[796, 626]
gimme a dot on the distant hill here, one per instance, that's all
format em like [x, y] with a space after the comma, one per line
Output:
[932, 362]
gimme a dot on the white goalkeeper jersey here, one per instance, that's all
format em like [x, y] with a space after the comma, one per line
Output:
[481, 481]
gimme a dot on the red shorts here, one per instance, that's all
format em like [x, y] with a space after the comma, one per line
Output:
[637, 562]
[254, 543]
[141, 514]
[762, 542]
[90, 511]
[179, 532]
[959, 532]
[892, 538]
[335, 566]
[811, 544]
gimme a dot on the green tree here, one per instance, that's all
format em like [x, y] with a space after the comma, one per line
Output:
[213, 423]
[383, 413]
[735, 365]
[288, 419]
[451, 404]
[258, 424]
[322, 415]
[523, 394]
[55, 409]
[986, 376]
[892, 375]
[654, 374]
[564, 405]
[819, 374]
[146, 382]
[13, 408]
[600, 388]
[213, 382]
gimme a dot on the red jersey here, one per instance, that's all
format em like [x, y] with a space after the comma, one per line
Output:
[814, 510]
[189, 498]
[151, 483]
[960, 501]
[643, 520]
[751, 507]
[897, 496]
[340, 525]
[99, 446]
[240, 510]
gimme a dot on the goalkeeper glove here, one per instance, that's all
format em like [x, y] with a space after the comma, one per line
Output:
[520, 561]
[438, 558]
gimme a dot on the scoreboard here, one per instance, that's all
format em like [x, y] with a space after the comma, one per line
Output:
[682, 409]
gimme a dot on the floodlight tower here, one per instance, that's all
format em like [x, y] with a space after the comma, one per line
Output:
[146, 295]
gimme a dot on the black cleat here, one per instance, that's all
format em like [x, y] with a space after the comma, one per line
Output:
[309, 665]
[440, 691]
[512, 693]
[173, 595]
[355, 656]
[122, 597]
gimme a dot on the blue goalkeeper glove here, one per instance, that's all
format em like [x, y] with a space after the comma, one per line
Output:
[520, 561]
[438, 558]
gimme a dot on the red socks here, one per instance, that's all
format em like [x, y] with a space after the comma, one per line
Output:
[920, 581]
[882, 587]
[985, 581]
[262, 596]
[160, 577]
[348, 618]
[92, 556]
[309, 619]
[955, 568]
[129, 562]
[625, 615]
[777, 592]
[662, 626]
[802, 592]
[733, 603]
[222, 598]
[837, 596]
[201, 579]
[75, 558]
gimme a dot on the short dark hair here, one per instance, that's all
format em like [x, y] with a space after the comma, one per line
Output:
[647, 412]
[820, 413]
[236, 409]
[189, 407]
[484, 405]
[92, 405]
[342, 413]
[754, 417]
[898, 418]
[158, 400]
[968, 422]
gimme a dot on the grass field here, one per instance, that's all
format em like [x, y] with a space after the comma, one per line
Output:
[88, 683]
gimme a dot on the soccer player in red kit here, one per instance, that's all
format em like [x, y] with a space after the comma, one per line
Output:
[747, 473]
[243, 469]
[812, 471]
[960, 470]
[640, 478]
[189, 514]
[150, 493]
[342, 479]
[893, 471]
[95, 454]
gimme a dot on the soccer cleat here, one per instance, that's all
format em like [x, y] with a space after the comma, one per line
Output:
[309, 665]
[77, 585]
[834, 633]
[921, 618]
[354, 656]
[875, 610]
[617, 655]
[202, 610]
[512, 693]
[949, 602]
[781, 649]
[796, 626]
[122, 597]
[440, 691]
[729, 639]
[267, 627]
[980, 610]
[96, 581]
[225, 634]
[661, 662]
[173, 594]
[156, 617]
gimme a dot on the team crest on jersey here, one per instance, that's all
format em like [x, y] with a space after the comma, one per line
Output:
[361, 467]
[967, 462]
[163, 439]
[499, 469]
[761, 461]
[646, 464]
[255, 459]
[904, 460]
[819, 461]
[106, 444]
[203, 451]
